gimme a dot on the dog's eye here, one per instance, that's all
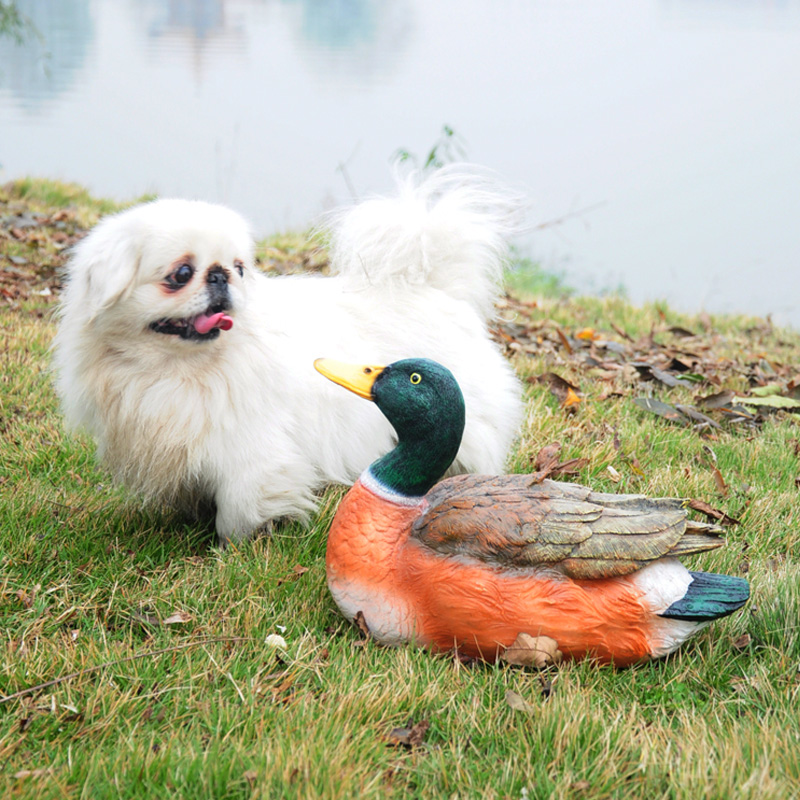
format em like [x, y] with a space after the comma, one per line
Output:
[239, 267]
[182, 275]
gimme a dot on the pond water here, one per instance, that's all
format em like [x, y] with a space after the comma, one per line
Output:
[659, 138]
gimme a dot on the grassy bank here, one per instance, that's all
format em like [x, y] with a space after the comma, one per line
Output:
[167, 685]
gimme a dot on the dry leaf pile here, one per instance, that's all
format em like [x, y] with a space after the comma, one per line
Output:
[33, 248]
[734, 382]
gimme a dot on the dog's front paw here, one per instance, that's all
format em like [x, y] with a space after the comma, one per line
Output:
[237, 536]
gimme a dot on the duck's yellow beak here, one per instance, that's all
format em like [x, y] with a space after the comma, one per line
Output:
[357, 378]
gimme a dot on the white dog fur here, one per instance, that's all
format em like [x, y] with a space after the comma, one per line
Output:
[236, 415]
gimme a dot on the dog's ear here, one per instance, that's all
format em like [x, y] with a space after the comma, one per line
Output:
[105, 265]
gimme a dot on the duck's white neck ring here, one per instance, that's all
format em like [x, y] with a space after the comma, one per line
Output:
[369, 481]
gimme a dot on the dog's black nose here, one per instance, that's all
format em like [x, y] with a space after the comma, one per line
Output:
[217, 275]
[218, 290]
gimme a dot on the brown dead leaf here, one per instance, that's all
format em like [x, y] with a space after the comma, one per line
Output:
[532, 651]
[518, 702]
[711, 512]
[716, 400]
[719, 481]
[742, 642]
[563, 337]
[679, 365]
[361, 623]
[607, 395]
[678, 331]
[547, 457]
[565, 392]
[737, 413]
[546, 463]
[694, 414]
[650, 372]
[178, 618]
[570, 467]
[251, 776]
[285, 691]
[557, 384]
[661, 409]
[620, 332]
[412, 735]
[297, 571]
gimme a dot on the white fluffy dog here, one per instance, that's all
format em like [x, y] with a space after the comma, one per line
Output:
[194, 371]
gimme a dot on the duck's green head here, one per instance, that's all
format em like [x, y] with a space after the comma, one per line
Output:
[423, 401]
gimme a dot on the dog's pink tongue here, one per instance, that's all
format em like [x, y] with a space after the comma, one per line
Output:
[203, 323]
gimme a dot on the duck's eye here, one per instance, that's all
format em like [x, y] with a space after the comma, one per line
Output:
[182, 275]
[415, 378]
[239, 267]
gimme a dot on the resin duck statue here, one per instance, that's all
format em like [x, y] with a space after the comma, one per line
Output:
[474, 561]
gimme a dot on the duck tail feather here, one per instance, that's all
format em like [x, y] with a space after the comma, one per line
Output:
[710, 596]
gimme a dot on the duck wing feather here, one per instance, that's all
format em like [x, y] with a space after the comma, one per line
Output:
[511, 521]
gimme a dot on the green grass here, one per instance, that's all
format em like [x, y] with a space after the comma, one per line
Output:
[204, 708]
[40, 193]
[525, 277]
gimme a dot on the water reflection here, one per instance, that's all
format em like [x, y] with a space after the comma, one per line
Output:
[334, 24]
[675, 121]
[363, 38]
[339, 24]
[202, 18]
[47, 63]
[201, 23]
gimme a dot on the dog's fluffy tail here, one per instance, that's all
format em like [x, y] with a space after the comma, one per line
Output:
[449, 230]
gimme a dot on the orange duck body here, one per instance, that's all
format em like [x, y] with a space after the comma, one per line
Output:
[477, 561]
[409, 592]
